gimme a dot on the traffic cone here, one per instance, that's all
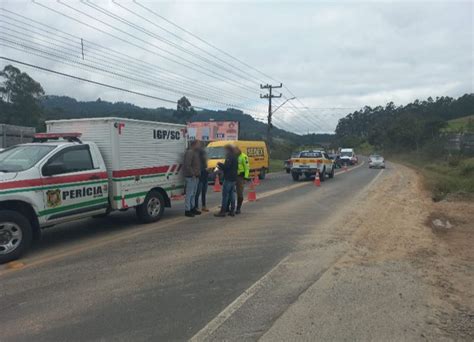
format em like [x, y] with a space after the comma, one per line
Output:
[252, 195]
[256, 180]
[317, 181]
[217, 184]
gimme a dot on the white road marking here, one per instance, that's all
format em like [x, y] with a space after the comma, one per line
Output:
[213, 325]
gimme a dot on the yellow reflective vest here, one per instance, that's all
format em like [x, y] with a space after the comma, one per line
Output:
[243, 165]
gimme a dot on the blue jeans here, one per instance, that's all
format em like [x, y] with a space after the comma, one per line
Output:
[191, 187]
[228, 195]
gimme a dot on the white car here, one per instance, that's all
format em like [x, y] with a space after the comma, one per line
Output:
[376, 161]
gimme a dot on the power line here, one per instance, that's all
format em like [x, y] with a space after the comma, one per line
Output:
[102, 62]
[89, 81]
[202, 40]
[131, 43]
[160, 38]
[107, 54]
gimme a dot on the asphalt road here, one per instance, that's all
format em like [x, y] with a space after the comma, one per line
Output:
[112, 279]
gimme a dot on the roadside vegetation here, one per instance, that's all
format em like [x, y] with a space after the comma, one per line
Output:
[420, 135]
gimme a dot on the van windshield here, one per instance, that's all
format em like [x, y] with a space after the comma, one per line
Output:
[215, 152]
[346, 154]
[22, 157]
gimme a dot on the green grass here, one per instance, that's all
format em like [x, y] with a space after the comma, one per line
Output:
[276, 165]
[464, 124]
[452, 175]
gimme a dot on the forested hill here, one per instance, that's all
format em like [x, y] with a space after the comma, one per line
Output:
[63, 107]
[404, 127]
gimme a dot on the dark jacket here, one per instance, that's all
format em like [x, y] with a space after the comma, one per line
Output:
[191, 163]
[229, 167]
[203, 163]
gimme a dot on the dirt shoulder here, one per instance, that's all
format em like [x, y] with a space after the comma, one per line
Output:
[407, 274]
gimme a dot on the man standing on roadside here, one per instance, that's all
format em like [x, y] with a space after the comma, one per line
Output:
[191, 171]
[243, 171]
[203, 180]
[229, 168]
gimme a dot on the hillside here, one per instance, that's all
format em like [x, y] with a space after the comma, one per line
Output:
[63, 107]
[463, 124]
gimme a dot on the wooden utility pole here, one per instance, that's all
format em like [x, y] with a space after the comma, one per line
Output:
[269, 96]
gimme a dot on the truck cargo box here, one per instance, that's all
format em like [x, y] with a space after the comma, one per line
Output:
[139, 155]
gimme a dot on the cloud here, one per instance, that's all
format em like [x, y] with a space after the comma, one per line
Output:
[331, 55]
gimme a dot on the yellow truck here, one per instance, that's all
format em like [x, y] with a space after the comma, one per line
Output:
[256, 151]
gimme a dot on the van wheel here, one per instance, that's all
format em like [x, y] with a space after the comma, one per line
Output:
[16, 235]
[151, 210]
[296, 177]
[262, 173]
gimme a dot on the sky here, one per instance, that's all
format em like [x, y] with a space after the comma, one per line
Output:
[335, 57]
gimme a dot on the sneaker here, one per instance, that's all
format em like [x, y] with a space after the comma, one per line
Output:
[204, 209]
[196, 212]
[231, 213]
[188, 214]
[237, 212]
[220, 214]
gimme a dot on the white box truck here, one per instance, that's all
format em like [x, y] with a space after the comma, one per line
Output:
[87, 167]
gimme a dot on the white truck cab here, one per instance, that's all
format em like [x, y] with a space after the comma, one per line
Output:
[59, 178]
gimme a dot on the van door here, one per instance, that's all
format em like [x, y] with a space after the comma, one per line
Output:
[73, 185]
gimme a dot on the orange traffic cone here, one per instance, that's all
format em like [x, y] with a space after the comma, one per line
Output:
[256, 180]
[217, 184]
[252, 195]
[317, 181]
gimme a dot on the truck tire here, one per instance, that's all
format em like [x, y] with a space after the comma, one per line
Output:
[322, 175]
[296, 177]
[16, 235]
[331, 175]
[288, 170]
[151, 210]
[262, 173]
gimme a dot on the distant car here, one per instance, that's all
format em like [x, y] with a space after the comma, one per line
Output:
[376, 161]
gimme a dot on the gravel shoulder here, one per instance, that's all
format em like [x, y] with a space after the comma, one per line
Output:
[400, 277]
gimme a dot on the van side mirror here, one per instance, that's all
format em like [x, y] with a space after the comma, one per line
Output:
[53, 169]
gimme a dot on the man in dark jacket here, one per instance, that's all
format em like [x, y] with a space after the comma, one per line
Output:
[203, 180]
[191, 171]
[229, 168]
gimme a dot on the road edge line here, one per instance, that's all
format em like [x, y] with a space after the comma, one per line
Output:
[229, 310]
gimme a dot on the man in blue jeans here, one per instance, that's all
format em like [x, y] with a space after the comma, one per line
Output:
[191, 171]
[229, 168]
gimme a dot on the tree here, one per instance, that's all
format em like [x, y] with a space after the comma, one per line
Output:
[184, 110]
[19, 96]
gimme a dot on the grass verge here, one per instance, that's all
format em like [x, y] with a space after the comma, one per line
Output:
[276, 165]
[443, 177]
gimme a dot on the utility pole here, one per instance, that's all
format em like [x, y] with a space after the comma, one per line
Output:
[269, 96]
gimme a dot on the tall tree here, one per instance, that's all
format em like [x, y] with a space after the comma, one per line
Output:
[184, 110]
[20, 95]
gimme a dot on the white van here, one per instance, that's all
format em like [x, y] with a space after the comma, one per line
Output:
[87, 167]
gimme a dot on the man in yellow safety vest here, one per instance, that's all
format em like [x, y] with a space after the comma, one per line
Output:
[243, 171]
